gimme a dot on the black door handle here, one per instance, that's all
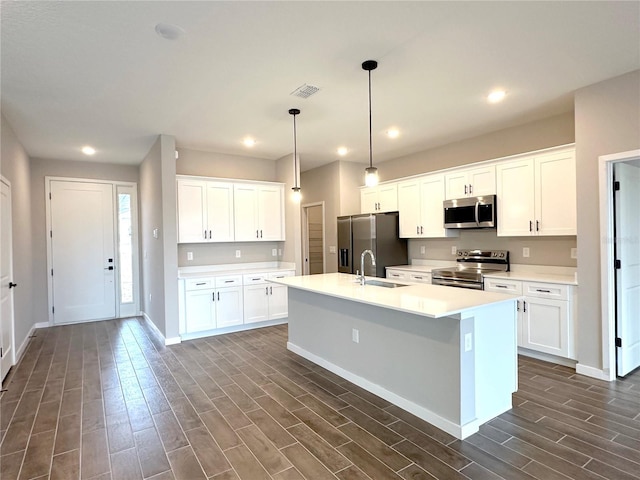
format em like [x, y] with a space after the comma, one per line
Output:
[11, 284]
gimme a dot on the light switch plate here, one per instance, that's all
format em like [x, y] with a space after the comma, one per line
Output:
[454, 250]
[274, 252]
[574, 253]
[155, 233]
[189, 255]
[355, 335]
[468, 342]
[238, 253]
[423, 249]
[525, 252]
[332, 249]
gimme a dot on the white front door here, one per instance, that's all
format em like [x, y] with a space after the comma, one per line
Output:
[7, 351]
[627, 247]
[82, 251]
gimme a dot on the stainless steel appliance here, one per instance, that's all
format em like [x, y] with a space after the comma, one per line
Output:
[470, 267]
[378, 232]
[470, 212]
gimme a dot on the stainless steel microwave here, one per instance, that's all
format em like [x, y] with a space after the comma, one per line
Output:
[470, 212]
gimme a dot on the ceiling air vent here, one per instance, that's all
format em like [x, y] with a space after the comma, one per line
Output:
[305, 91]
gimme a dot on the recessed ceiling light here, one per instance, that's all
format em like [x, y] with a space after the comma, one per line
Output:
[393, 133]
[496, 96]
[168, 31]
[249, 142]
[342, 151]
[87, 150]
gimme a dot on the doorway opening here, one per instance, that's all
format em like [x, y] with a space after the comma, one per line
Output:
[313, 234]
[7, 332]
[620, 262]
[92, 250]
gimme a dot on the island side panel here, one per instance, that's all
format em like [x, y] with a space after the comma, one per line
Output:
[414, 357]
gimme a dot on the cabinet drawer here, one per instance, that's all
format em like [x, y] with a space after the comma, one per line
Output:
[254, 278]
[546, 290]
[282, 274]
[191, 284]
[228, 281]
[396, 274]
[420, 277]
[513, 287]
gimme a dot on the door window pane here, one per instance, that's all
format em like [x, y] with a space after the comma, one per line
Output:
[125, 250]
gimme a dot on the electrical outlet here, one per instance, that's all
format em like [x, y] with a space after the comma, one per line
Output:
[355, 335]
[525, 252]
[150, 297]
[189, 255]
[423, 249]
[454, 250]
[274, 252]
[574, 253]
[468, 342]
[155, 233]
[238, 254]
[332, 249]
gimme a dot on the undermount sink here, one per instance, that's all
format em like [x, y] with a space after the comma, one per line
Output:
[378, 283]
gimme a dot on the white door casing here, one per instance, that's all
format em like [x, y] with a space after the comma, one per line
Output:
[7, 339]
[627, 245]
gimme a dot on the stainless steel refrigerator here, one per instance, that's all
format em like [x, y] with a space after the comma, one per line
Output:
[378, 232]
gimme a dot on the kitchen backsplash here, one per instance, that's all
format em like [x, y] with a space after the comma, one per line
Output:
[542, 250]
[225, 253]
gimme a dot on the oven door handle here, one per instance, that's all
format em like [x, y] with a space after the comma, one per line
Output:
[457, 283]
[477, 219]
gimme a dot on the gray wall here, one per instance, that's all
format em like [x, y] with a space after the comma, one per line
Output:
[211, 164]
[60, 168]
[292, 247]
[159, 255]
[15, 167]
[607, 121]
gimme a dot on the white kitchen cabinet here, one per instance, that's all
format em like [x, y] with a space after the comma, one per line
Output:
[205, 211]
[537, 195]
[259, 212]
[381, 198]
[474, 182]
[212, 302]
[546, 316]
[200, 311]
[406, 276]
[265, 300]
[420, 208]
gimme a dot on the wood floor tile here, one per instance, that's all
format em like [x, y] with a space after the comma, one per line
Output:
[329, 414]
[92, 416]
[353, 473]
[170, 431]
[119, 433]
[17, 435]
[184, 465]
[328, 432]
[231, 413]
[95, 453]
[245, 464]
[220, 430]
[207, 451]
[277, 411]
[320, 449]
[272, 429]
[153, 459]
[375, 428]
[376, 447]
[10, 465]
[266, 453]
[289, 474]
[306, 464]
[68, 435]
[125, 466]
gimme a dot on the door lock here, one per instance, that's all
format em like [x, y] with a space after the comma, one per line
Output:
[11, 284]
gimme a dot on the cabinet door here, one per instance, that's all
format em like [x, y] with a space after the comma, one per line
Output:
[432, 191]
[278, 302]
[220, 212]
[229, 307]
[555, 194]
[457, 185]
[192, 216]
[271, 213]
[199, 311]
[388, 198]
[368, 200]
[409, 208]
[545, 326]
[482, 181]
[256, 303]
[245, 218]
[515, 205]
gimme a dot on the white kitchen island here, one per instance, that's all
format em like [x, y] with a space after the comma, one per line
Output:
[447, 355]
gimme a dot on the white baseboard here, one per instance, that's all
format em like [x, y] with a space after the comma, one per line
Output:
[23, 347]
[546, 357]
[157, 331]
[236, 328]
[172, 341]
[458, 431]
[42, 325]
[593, 372]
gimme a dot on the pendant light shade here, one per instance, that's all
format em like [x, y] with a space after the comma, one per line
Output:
[371, 172]
[296, 195]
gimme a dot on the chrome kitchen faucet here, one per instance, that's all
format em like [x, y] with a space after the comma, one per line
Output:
[373, 262]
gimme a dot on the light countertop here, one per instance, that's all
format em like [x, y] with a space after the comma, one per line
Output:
[418, 268]
[418, 299]
[234, 269]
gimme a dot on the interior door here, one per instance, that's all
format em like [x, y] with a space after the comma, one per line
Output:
[7, 357]
[627, 247]
[82, 251]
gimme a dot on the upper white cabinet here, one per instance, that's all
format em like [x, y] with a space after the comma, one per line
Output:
[381, 198]
[473, 182]
[205, 211]
[420, 206]
[537, 195]
[259, 212]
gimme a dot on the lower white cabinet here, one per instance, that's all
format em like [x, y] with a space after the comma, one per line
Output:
[545, 315]
[215, 302]
[406, 276]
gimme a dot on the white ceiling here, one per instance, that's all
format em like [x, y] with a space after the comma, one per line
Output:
[76, 73]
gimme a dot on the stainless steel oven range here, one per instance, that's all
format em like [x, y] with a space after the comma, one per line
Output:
[470, 267]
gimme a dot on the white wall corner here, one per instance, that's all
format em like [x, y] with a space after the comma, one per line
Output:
[594, 372]
[154, 327]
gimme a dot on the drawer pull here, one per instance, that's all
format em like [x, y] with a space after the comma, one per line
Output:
[502, 286]
[229, 281]
[542, 291]
[255, 279]
[417, 278]
[280, 276]
[201, 283]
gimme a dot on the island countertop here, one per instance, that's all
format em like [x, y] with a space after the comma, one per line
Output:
[420, 299]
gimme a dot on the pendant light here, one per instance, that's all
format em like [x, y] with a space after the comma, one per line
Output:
[371, 172]
[296, 196]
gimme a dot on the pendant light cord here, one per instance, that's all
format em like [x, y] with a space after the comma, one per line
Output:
[295, 153]
[370, 129]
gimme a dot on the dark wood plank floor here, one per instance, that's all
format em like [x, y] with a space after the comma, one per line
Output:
[107, 401]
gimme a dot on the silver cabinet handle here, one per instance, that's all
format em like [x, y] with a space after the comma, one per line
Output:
[255, 279]
[537, 226]
[542, 291]
[524, 306]
[229, 281]
[465, 189]
[260, 233]
[271, 290]
[470, 189]
[205, 234]
[530, 226]
[417, 230]
[266, 290]
[256, 233]
[421, 230]
[201, 283]
[517, 305]
[502, 286]
[218, 295]
[209, 234]
[417, 278]
[213, 296]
